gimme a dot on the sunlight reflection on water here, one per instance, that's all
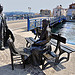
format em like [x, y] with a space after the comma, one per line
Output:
[67, 30]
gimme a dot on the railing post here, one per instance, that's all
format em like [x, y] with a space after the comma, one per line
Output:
[35, 23]
[35, 27]
[59, 19]
[40, 23]
[8, 18]
[28, 23]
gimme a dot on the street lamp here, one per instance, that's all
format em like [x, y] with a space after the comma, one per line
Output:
[60, 9]
[29, 9]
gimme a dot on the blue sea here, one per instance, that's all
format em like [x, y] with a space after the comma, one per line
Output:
[67, 30]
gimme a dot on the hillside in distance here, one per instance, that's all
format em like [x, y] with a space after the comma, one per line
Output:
[16, 13]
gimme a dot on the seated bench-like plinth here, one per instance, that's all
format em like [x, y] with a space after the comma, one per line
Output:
[62, 48]
[24, 53]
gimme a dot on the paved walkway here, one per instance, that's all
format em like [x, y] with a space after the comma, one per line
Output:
[5, 67]
[67, 68]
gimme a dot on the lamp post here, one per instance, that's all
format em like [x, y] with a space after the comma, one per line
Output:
[60, 9]
[29, 9]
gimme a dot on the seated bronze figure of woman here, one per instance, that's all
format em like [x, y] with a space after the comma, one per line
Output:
[45, 34]
[40, 46]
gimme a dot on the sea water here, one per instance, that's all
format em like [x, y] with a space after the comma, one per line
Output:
[66, 30]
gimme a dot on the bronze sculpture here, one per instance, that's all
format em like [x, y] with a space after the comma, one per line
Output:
[41, 45]
[4, 31]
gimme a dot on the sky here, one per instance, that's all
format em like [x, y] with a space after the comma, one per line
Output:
[36, 5]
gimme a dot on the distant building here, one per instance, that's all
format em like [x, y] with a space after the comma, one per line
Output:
[72, 6]
[45, 12]
[59, 11]
[36, 14]
[71, 11]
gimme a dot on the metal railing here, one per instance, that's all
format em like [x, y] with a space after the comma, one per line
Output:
[33, 23]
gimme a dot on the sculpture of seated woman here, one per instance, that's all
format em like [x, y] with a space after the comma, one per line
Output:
[41, 45]
[45, 34]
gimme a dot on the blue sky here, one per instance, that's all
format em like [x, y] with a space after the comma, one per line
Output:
[36, 5]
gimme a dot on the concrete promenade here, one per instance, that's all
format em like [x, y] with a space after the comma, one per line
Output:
[67, 68]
